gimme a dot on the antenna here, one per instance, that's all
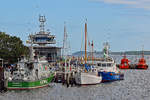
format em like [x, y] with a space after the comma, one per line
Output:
[124, 54]
[107, 37]
[143, 51]
[42, 20]
[106, 49]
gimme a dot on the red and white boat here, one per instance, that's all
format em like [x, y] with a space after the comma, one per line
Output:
[124, 63]
[142, 63]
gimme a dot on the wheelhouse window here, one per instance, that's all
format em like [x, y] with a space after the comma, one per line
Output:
[99, 64]
[109, 65]
[103, 65]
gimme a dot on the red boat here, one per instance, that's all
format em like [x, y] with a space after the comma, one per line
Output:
[142, 63]
[124, 63]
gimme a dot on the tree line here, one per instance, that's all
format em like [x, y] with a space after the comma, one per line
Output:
[11, 48]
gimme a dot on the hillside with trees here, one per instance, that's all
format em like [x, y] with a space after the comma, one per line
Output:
[11, 48]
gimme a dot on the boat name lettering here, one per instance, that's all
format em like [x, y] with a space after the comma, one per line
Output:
[43, 82]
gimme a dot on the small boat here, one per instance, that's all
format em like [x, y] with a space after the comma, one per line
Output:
[87, 75]
[124, 63]
[142, 63]
[107, 67]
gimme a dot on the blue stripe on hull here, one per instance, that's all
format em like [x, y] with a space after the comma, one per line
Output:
[111, 76]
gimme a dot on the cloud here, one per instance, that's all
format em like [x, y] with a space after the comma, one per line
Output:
[131, 3]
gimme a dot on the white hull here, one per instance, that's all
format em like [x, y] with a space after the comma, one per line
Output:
[84, 78]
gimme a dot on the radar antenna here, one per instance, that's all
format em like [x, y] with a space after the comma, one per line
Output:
[42, 20]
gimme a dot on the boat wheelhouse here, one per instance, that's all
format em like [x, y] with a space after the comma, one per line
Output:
[44, 43]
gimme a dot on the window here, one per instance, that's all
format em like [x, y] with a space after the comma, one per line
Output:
[99, 64]
[103, 65]
[109, 65]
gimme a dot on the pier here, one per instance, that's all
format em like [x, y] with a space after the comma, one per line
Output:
[66, 78]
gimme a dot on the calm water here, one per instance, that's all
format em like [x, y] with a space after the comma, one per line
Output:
[135, 86]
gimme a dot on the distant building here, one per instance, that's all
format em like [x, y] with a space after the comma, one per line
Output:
[43, 43]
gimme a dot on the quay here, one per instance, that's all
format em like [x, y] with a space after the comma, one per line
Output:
[65, 77]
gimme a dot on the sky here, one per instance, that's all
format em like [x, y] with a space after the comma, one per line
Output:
[125, 24]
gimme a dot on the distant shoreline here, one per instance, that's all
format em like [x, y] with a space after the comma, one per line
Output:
[79, 53]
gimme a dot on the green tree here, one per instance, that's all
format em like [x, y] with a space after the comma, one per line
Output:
[11, 48]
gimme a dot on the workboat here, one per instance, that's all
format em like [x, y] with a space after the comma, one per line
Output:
[124, 63]
[36, 70]
[107, 67]
[88, 75]
[142, 63]
[29, 74]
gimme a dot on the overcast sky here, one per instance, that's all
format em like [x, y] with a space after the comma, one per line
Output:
[125, 24]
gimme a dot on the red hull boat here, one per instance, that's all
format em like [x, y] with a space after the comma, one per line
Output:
[124, 63]
[142, 63]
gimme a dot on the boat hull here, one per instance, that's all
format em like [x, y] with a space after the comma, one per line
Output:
[123, 66]
[87, 79]
[142, 66]
[111, 76]
[14, 85]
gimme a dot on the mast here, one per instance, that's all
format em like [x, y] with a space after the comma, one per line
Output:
[106, 50]
[124, 56]
[64, 40]
[65, 47]
[85, 41]
[142, 51]
[31, 50]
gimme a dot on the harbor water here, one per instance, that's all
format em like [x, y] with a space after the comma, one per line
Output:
[135, 86]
